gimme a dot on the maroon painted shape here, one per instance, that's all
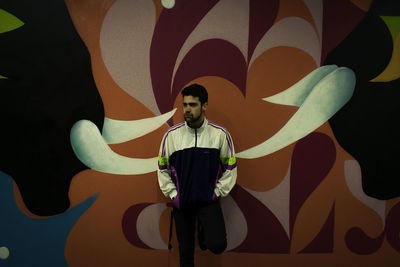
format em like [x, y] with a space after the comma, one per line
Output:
[213, 57]
[393, 227]
[262, 16]
[323, 242]
[340, 17]
[173, 27]
[358, 242]
[129, 221]
[312, 159]
[265, 233]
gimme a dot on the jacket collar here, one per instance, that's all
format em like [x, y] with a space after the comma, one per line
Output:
[200, 129]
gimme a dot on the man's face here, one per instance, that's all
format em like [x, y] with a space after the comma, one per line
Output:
[193, 111]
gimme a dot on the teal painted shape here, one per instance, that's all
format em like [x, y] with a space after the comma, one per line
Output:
[298, 93]
[117, 131]
[34, 242]
[328, 94]
[8, 22]
[91, 149]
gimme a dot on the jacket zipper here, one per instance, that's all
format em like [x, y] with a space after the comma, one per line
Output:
[195, 137]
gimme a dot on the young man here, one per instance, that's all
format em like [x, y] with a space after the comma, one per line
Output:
[197, 165]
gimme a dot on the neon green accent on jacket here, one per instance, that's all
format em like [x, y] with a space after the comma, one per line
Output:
[228, 160]
[163, 161]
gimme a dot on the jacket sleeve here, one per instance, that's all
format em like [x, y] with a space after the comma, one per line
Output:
[228, 160]
[165, 182]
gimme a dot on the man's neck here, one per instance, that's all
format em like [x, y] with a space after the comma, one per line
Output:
[196, 124]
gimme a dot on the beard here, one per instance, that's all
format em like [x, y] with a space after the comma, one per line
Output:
[191, 119]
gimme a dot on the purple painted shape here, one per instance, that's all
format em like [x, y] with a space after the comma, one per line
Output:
[262, 17]
[323, 242]
[358, 242]
[312, 159]
[393, 227]
[173, 27]
[129, 221]
[213, 57]
[265, 233]
[340, 17]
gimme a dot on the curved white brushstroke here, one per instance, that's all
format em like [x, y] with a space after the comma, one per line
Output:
[125, 41]
[297, 93]
[148, 227]
[4, 253]
[168, 3]
[277, 200]
[117, 131]
[91, 149]
[227, 20]
[291, 32]
[327, 97]
[316, 8]
[235, 222]
[352, 173]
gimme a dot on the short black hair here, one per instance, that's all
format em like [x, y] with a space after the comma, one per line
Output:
[196, 90]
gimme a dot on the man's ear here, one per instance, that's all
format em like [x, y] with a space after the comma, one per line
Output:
[204, 107]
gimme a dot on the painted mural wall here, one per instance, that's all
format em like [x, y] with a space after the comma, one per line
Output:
[308, 90]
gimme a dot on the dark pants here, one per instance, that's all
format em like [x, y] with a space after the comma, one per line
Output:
[212, 221]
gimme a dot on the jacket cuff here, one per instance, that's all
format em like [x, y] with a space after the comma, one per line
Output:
[173, 194]
[216, 192]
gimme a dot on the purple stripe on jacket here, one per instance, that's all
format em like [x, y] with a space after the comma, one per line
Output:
[214, 196]
[162, 167]
[176, 201]
[228, 138]
[229, 167]
[173, 128]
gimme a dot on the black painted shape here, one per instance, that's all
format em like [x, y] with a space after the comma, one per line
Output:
[386, 7]
[366, 50]
[366, 126]
[50, 87]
